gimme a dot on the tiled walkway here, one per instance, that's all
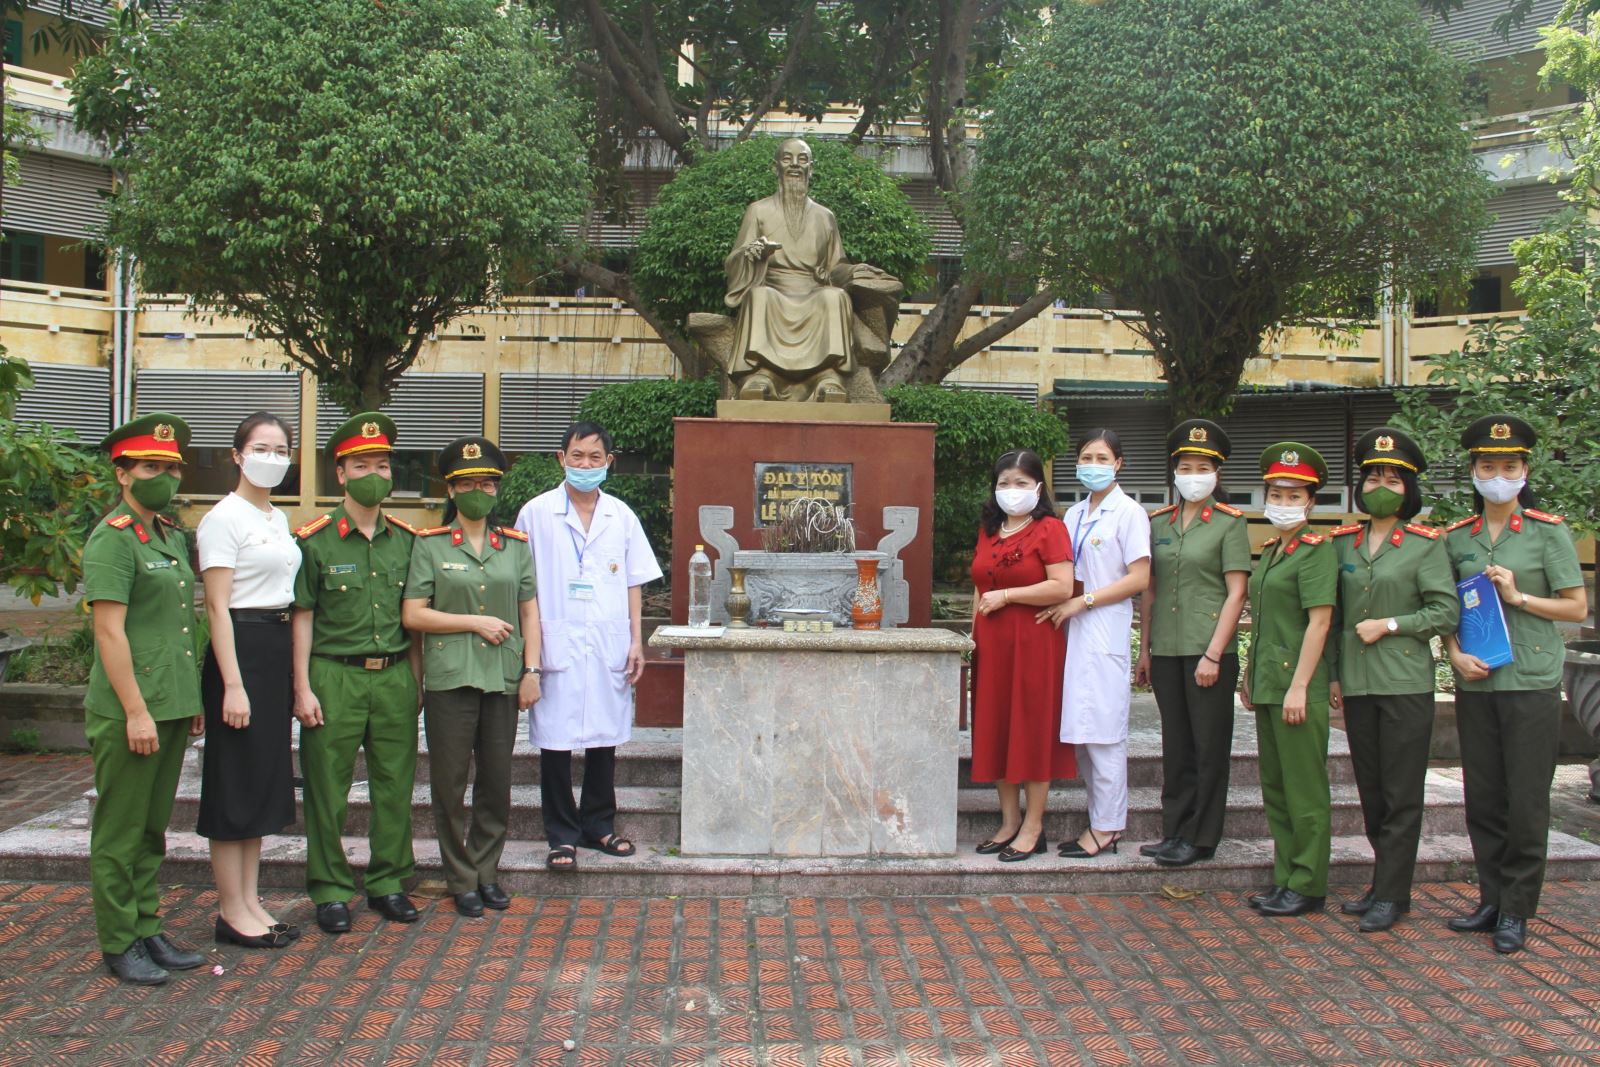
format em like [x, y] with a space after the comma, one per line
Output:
[33, 785]
[918, 981]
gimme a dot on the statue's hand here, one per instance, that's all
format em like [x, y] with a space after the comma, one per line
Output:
[760, 249]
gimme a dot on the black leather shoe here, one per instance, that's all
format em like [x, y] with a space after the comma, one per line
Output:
[1510, 933]
[1157, 847]
[1291, 903]
[1478, 922]
[334, 917]
[1182, 854]
[494, 897]
[396, 907]
[227, 935]
[469, 904]
[1266, 896]
[165, 954]
[135, 966]
[1359, 905]
[1381, 915]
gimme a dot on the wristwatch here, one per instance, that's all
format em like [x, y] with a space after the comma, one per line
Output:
[1524, 604]
[1088, 600]
[1394, 625]
[532, 670]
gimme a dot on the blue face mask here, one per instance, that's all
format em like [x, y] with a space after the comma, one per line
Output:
[1095, 477]
[585, 479]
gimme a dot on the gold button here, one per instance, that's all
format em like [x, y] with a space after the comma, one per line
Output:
[483, 644]
[1286, 666]
[481, 588]
[374, 574]
[341, 589]
[185, 629]
[182, 584]
[188, 652]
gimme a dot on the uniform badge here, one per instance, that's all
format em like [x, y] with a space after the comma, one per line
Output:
[471, 451]
[1291, 458]
[164, 432]
[613, 568]
[370, 430]
[1500, 431]
[1384, 444]
[1197, 435]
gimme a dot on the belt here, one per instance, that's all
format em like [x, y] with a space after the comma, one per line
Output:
[251, 615]
[367, 663]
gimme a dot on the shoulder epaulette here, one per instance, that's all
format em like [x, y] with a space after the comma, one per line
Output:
[1168, 510]
[1269, 541]
[515, 535]
[1228, 509]
[1313, 539]
[1460, 523]
[431, 531]
[121, 522]
[403, 524]
[1429, 532]
[1542, 516]
[313, 526]
[166, 521]
[1354, 527]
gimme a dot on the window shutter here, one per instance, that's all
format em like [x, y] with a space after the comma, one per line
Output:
[68, 398]
[215, 402]
[429, 410]
[536, 409]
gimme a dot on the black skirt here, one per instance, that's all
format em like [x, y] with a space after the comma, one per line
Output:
[247, 776]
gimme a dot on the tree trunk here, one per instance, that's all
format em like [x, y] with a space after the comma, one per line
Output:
[1202, 369]
[684, 350]
[925, 356]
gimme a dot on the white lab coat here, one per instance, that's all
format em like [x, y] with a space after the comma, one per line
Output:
[1097, 689]
[584, 578]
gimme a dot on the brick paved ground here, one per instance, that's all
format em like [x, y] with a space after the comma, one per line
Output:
[33, 785]
[1001, 981]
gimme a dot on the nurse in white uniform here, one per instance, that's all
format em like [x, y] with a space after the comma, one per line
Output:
[591, 559]
[1111, 544]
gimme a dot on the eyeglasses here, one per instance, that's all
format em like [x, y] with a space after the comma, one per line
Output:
[268, 450]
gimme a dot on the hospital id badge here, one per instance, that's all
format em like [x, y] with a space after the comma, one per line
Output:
[580, 590]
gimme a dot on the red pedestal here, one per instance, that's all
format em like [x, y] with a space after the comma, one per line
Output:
[891, 465]
[658, 698]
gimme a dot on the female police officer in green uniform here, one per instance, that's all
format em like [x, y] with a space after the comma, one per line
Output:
[144, 695]
[471, 591]
[1510, 718]
[1199, 568]
[1395, 593]
[1291, 608]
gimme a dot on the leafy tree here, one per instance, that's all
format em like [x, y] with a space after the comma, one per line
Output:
[51, 493]
[1227, 168]
[347, 175]
[679, 263]
[638, 415]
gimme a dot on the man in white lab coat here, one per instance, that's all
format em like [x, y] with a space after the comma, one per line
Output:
[592, 560]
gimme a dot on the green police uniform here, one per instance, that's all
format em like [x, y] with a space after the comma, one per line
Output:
[470, 702]
[1388, 685]
[1189, 566]
[144, 565]
[1291, 578]
[361, 675]
[1510, 722]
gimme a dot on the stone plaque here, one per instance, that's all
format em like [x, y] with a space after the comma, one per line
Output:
[779, 483]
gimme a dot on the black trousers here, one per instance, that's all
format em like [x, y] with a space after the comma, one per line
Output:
[1196, 746]
[1389, 741]
[567, 822]
[1509, 743]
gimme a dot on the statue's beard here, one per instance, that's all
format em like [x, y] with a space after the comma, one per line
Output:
[793, 193]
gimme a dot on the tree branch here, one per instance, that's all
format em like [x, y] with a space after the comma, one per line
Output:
[1014, 320]
[621, 287]
[659, 114]
[797, 40]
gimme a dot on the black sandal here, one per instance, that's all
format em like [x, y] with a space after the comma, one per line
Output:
[1072, 850]
[569, 853]
[611, 846]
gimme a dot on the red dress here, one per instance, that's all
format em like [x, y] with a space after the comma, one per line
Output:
[1018, 664]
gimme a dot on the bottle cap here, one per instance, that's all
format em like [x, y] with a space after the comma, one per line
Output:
[699, 548]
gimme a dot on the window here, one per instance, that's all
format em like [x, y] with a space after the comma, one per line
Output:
[1483, 296]
[22, 257]
[13, 42]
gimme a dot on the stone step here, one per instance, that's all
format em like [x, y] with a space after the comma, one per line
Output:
[55, 847]
[650, 814]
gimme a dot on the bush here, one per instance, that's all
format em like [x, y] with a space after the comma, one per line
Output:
[59, 659]
[532, 474]
[52, 491]
[974, 429]
[639, 415]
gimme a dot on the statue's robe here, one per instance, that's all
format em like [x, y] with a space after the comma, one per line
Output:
[790, 318]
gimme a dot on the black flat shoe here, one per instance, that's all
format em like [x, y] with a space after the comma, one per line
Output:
[1073, 851]
[1012, 855]
[1265, 897]
[287, 930]
[993, 845]
[227, 935]
[1381, 915]
[135, 966]
[1182, 854]
[494, 897]
[1157, 847]
[169, 956]
[1290, 903]
[1480, 921]
[1359, 905]
[1510, 933]
[334, 917]
[469, 904]
[396, 907]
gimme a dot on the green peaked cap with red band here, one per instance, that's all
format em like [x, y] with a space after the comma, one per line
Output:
[370, 431]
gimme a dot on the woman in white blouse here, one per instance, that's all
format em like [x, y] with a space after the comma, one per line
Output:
[248, 561]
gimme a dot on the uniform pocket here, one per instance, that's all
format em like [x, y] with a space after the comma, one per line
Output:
[616, 637]
[511, 660]
[153, 673]
[1536, 659]
[555, 646]
[446, 658]
[344, 581]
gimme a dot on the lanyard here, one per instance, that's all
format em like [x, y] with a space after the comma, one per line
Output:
[1077, 535]
[578, 547]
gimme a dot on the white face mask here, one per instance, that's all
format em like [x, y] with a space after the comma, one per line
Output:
[1285, 516]
[265, 471]
[1017, 501]
[1498, 490]
[1195, 487]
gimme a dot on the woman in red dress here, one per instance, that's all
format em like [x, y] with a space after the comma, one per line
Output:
[1023, 562]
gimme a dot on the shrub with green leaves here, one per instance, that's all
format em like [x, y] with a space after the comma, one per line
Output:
[639, 415]
[52, 491]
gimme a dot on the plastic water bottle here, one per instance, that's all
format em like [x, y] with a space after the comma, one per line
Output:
[699, 587]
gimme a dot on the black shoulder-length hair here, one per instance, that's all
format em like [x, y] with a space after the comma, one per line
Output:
[1028, 462]
[1410, 507]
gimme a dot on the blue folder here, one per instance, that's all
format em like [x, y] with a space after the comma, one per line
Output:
[1483, 630]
